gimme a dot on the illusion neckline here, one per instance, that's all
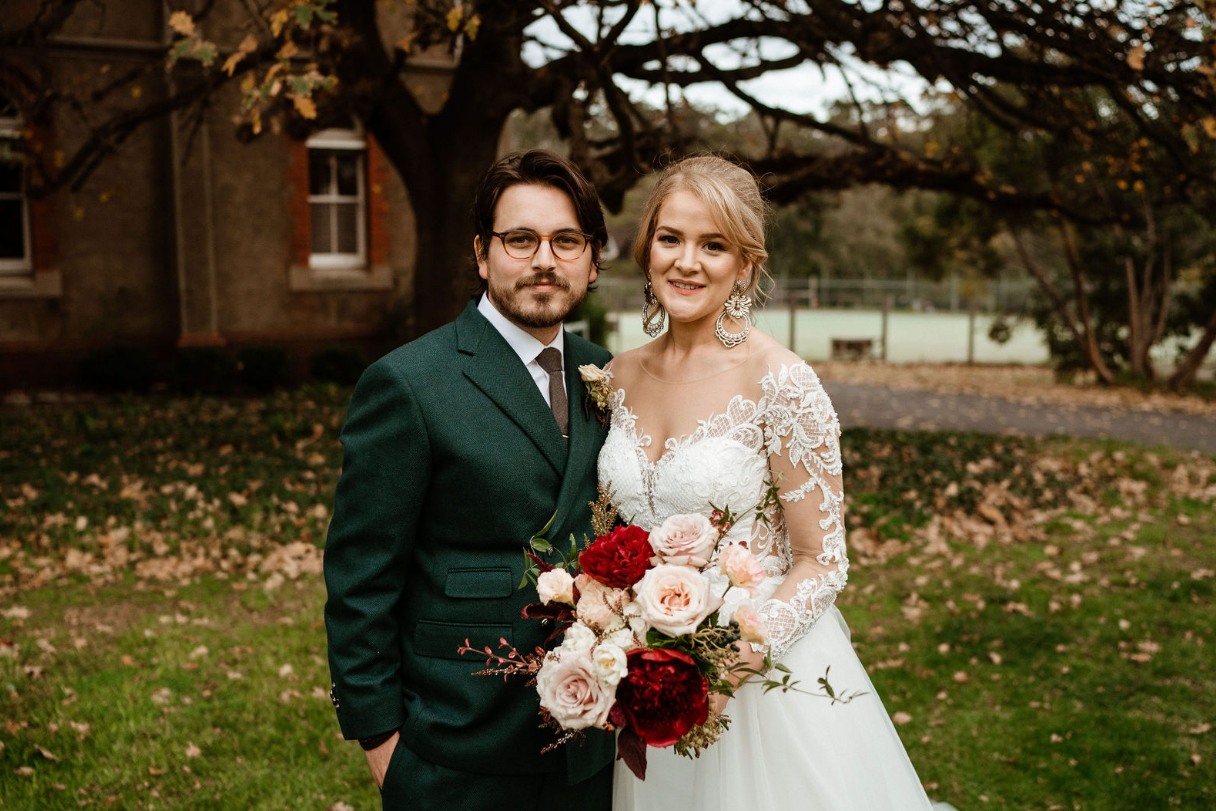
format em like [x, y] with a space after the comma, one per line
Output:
[641, 441]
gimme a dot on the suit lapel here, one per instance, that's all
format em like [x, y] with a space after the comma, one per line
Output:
[586, 436]
[494, 368]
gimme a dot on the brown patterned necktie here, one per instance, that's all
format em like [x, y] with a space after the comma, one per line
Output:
[551, 361]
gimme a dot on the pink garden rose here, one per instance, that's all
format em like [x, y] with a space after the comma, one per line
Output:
[742, 567]
[555, 586]
[600, 607]
[675, 599]
[751, 625]
[685, 539]
[570, 691]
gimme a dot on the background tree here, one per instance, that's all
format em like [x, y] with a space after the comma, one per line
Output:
[1075, 74]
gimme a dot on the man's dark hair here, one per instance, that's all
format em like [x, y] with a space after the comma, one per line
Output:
[543, 168]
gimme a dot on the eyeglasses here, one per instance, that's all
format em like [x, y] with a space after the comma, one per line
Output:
[523, 243]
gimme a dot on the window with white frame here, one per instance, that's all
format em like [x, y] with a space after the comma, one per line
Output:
[14, 208]
[337, 198]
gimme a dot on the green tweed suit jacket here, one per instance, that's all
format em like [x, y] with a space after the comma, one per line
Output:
[452, 461]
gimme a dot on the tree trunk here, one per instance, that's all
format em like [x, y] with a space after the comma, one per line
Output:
[1184, 375]
[1089, 342]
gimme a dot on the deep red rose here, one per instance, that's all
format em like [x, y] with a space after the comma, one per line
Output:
[618, 559]
[662, 696]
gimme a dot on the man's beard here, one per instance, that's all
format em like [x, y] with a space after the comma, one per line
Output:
[537, 311]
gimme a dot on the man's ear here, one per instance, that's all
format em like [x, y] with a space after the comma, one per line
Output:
[482, 264]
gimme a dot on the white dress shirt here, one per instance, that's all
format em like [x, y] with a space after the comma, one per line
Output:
[525, 345]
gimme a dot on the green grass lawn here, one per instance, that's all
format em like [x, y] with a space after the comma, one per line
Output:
[1037, 615]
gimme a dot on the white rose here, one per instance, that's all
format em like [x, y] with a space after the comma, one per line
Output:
[609, 663]
[624, 639]
[685, 539]
[572, 693]
[578, 638]
[675, 599]
[555, 586]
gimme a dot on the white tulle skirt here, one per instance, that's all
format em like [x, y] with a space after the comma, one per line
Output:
[788, 751]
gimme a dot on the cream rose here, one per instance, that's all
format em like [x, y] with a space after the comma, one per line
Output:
[600, 606]
[751, 625]
[675, 599]
[742, 567]
[590, 373]
[685, 539]
[555, 586]
[578, 637]
[571, 692]
[609, 663]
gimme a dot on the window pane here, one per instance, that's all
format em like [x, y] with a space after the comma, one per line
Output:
[10, 174]
[348, 173]
[318, 171]
[348, 224]
[12, 227]
[321, 242]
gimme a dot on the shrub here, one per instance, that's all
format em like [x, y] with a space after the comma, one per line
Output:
[118, 368]
[203, 370]
[264, 367]
[338, 364]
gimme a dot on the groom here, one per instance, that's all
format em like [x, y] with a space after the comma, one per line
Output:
[459, 447]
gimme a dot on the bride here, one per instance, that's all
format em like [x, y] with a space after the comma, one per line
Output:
[714, 411]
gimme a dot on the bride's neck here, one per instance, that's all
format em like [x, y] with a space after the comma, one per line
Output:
[691, 351]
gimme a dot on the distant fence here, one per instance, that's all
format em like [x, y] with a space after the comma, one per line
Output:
[1007, 295]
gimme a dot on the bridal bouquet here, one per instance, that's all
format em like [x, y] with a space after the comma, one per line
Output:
[647, 623]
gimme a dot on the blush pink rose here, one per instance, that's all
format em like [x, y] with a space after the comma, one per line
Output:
[570, 691]
[685, 539]
[555, 586]
[742, 567]
[751, 625]
[600, 607]
[675, 599]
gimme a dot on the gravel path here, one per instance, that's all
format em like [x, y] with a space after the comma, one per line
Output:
[878, 407]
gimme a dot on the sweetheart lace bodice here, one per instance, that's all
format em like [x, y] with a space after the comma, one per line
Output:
[731, 460]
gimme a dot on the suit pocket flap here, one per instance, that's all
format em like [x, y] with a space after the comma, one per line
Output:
[440, 640]
[479, 583]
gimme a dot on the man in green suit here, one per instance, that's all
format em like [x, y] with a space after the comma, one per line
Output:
[460, 446]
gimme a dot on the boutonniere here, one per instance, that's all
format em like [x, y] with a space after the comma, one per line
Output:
[596, 392]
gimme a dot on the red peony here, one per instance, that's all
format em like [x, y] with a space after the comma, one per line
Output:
[618, 559]
[662, 697]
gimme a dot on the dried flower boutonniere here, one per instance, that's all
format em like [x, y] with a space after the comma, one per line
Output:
[596, 391]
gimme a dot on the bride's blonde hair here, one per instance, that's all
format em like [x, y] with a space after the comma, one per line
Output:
[733, 197]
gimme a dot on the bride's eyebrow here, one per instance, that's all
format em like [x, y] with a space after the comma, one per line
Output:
[677, 232]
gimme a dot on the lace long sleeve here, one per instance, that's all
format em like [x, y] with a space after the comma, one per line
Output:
[802, 438]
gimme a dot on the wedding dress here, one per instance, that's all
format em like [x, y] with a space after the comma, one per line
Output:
[783, 750]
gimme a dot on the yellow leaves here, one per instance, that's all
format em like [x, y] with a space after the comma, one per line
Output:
[305, 106]
[288, 50]
[1135, 58]
[278, 20]
[472, 26]
[407, 42]
[136, 91]
[454, 18]
[248, 45]
[182, 23]
[192, 751]
[1209, 126]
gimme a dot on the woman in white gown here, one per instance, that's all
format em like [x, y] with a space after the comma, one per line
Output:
[715, 412]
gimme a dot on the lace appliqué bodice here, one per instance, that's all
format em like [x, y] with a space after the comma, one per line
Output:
[729, 461]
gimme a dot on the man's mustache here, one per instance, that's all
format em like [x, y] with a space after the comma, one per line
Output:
[542, 278]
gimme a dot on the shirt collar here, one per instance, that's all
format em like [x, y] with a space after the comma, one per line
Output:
[524, 344]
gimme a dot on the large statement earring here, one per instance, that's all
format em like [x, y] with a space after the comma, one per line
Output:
[738, 307]
[652, 322]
